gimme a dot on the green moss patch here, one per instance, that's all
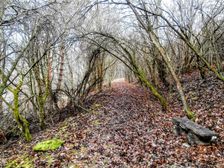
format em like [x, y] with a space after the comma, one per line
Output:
[48, 145]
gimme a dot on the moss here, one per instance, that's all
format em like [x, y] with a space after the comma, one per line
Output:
[191, 115]
[22, 162]
[21, 121]
[48, 145]
[152, 88]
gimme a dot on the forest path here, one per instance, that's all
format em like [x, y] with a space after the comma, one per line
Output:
[121, 125]
[124, 128]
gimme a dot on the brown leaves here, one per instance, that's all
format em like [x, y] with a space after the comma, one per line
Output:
[126, 128]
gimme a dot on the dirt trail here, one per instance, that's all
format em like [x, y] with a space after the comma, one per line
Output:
[125, 128]
[122, 135]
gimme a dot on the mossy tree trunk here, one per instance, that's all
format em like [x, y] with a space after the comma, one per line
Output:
[143, 79]
[168, 63]
[21, 121]
[155, 40]
[42, 93]
[23, 124]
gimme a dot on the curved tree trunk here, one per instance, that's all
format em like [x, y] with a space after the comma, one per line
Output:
[166, 58]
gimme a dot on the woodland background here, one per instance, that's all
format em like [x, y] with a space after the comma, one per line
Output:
[55, 54]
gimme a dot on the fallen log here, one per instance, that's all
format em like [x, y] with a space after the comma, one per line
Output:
[196, 134]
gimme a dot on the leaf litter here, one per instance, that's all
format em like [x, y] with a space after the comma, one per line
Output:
[127, 128]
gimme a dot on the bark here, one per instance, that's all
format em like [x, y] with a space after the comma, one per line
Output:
[21, 121]
[166, 58]
[154, 91]
[61, 69]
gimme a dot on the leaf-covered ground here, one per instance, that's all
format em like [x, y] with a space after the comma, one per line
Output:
[126, 128]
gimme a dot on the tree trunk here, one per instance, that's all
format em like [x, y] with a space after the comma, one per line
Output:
[167, 60]
[154, 91]
[21, 121]
[61, 69]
